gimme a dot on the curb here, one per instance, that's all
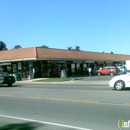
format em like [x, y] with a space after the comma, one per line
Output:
[35, 83]
[66, 82]
[77, 79]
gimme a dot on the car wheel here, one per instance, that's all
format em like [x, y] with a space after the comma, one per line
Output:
[99, 73]
[111, 73]
[119, 85]
[10, 85]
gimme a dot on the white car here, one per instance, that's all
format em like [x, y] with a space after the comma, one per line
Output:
[120, 82]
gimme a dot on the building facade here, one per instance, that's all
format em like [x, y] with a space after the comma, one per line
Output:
[45, 62]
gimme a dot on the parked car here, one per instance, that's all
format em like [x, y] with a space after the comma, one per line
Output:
[111, 70]
[121, 72]
[5, 78]
[121, 68]
[120, 82]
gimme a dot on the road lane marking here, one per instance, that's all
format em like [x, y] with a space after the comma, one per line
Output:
[96, 91]
[6, 95]
[68, 90]
[67, 100]
[44, 122]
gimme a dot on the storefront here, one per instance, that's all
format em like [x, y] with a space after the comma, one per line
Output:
[52, 68]
[5, 66]
[76, 68]
[47, 68]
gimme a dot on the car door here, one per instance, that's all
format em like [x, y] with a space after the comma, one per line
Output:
[103, 70]
[127, 79]
[107, 71]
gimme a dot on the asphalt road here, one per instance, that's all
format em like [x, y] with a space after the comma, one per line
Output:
[98, 78]
[62, 107]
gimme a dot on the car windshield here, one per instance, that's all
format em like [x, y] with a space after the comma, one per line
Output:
[110, 68]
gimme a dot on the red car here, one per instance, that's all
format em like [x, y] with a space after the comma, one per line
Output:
[111, 70]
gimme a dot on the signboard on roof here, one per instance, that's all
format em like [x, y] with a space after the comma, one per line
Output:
[56, 61]
[90, 61]
[5, 63]
[100, 62]
[77, 61]
[109, 61]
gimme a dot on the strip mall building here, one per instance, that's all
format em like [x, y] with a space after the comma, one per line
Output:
[47, 62]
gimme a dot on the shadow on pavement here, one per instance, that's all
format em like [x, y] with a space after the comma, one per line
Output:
[21, 126]
[125, 89]
[6, 86]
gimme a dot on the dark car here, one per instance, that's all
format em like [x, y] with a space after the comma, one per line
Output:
[5, 78]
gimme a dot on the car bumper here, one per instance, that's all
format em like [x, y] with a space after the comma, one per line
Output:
[111, 84]
[8, 82]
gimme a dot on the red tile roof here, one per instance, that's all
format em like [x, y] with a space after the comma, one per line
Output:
[79, 55]
[18, 54]
[58, 54]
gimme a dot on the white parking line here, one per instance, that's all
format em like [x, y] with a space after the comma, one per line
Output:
[44, 122]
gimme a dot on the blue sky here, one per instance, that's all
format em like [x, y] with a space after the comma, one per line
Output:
[93, 25]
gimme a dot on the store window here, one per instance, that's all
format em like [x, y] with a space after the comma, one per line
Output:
[14, 68]
[25, 70]
[31, 70]
[49, 70]
[19, 73]
[85, 70]
[55, 69]
[1, 68]
[73, 68]
[43, 68]
[9, 69]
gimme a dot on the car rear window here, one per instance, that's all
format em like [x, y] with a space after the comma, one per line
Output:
[4, 74]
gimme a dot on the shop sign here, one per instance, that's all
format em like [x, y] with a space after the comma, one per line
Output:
[100, 62]
[122, 62]
[109, 61]
[77, 61]
[90, 61]
[56, 61]
[119, 62]
[5, 63]
[52, 61]
[62, 62]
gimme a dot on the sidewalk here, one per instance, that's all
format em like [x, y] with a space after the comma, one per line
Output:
[73, 81]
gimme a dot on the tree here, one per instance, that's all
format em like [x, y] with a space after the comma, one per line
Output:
[2, 46]
[69, 48]
[44, 46]
[17, 47]
[77, 48]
